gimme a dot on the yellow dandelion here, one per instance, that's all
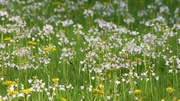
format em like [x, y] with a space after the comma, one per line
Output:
[50, 49]
[101, 86]
[140, 99]
[162, 99]
[97, 91]
[12, 92]
[57, 3]
[179, 100]
[63, 99]
[169, 89]
[9, 83]
[82, 7]
[53, 3]
[32, 43]
[137, 92]
[171, 1]
[162, 30]
[138, 60]
[123, 53]
[55, 80]
[109, 76]
[63, 31]
[100, 59]
[174, 98]
[105, 3]
[128, 61]
[141, 1]
[7, 39]
[0, 99]
[26, 91]
[97, 78]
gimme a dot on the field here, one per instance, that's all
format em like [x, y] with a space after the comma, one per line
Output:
[85, 50]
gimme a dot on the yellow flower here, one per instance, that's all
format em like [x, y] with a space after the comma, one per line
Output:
[97, 91]
[63, 31]
[141, 1]
[63, 99]
[163, 30]
[174, 98]
[137, 92]
[26, 91]
[50, 49]
[171, 1]
[82, 6]
[9, 83]
[7, 39]
[105, 3]
[101, 86]
[138, 60]
[55, 80]
[32, 43]
[123, 53]
[162, 99]
[12, 92]
[0, 99]
[57, 3]
[109, 76]
[169, 89]
[140, 99]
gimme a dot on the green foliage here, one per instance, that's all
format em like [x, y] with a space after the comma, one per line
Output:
[105, 50]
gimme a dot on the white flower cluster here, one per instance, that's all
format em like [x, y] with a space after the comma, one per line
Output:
[88, 13]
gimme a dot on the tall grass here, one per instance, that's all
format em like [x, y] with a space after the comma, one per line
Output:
[83, 50]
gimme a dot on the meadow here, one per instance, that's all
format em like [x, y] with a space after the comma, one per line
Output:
[85, 50]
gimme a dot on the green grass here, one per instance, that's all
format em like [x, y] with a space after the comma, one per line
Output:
[102, 61]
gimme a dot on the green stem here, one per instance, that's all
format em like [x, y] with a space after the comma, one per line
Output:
[151, 84]
[115, 85]
[145, 65]
[124, 93]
